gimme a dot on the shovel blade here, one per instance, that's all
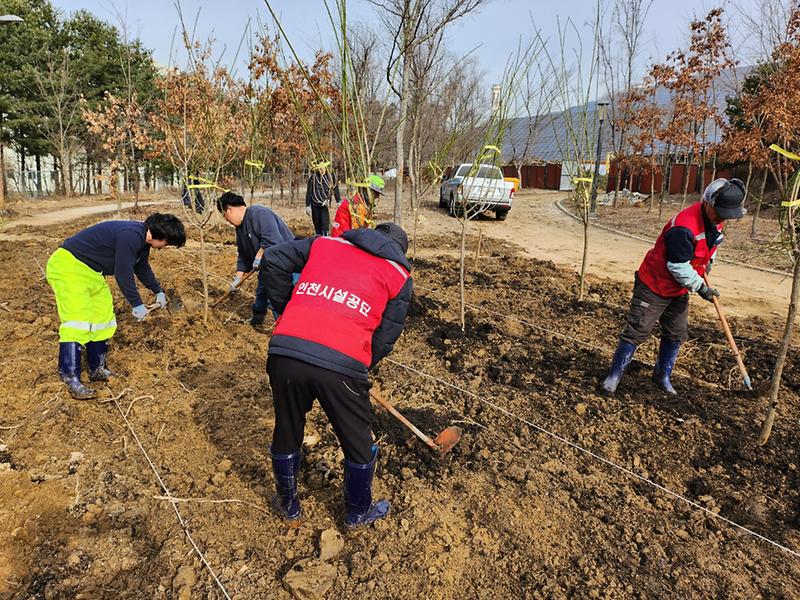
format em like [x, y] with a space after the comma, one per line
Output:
[175, 302]
[447, 439]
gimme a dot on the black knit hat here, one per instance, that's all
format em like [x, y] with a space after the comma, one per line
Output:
[395, 233]
[727, 198]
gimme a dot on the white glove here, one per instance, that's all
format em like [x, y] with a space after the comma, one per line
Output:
[308, 210]
[235, 283]
[140, 312]
[161, 298]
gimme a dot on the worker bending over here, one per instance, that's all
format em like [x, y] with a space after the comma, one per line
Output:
[358, 211]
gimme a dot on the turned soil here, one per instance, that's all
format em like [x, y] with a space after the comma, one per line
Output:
[511, 512]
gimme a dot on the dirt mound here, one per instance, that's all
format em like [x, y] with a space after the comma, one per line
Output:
[510, 512]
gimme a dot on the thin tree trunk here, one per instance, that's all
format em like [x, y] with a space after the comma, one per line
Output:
[617, 183]
[585, 257]
[400, 140]
[461, 282]
[204, 272]
[749, 177]
[38, 175]
[780, 361]
[686, 179]
[22, 170]
[757, 211]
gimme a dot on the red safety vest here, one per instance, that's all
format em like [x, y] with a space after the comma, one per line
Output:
[351, 214]
[340, 298]
[653, 271]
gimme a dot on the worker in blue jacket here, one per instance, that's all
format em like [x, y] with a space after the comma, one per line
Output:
[257, 228]
[77, 270]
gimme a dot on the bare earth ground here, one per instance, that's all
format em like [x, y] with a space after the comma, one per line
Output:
[510, 513]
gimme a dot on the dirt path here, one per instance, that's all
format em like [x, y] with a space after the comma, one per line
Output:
[546, 233]
[69, 214]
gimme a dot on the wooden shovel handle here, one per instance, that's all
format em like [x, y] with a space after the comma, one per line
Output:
[731, 342]
[376, 395]
[228, 293]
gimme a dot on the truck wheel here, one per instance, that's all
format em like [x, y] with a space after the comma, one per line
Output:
[455, 209]
[501, 214]
[442, 201]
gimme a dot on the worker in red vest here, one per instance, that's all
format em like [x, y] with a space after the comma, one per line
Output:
[343, 316]
[675, 266]
[359, 210]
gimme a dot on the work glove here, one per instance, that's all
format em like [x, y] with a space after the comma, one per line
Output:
[235, 283]
[161, 299]
[140, 312]
[256, 263]
[308, 210]
[706, 292]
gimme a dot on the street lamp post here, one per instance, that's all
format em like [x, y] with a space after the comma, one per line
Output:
[4, 20]
[601, 115]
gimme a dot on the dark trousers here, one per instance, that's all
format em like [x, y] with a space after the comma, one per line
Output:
[647, 307]
[262, 303]
[296, 384]
[321, 219]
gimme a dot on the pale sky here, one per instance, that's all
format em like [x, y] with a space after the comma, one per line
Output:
[494, 30]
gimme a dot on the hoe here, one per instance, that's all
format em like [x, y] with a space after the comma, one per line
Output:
[441, 444]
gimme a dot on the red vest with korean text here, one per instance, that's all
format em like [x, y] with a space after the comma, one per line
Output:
[340, 297]
[653, 271]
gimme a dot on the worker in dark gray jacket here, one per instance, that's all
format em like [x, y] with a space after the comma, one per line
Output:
[257, 228]
[321, 189]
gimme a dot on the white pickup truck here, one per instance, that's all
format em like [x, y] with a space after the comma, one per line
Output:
[474, 189]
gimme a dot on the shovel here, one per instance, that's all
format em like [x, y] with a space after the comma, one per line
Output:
[731, 342]
[443, 442]
[228, 293]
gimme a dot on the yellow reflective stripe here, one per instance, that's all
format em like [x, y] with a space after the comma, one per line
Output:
[86, 326]
[786, 153]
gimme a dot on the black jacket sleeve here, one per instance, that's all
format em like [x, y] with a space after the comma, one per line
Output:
[279, 263]
[336, 193]
[309, 189]
[680, 245]
[392, 323]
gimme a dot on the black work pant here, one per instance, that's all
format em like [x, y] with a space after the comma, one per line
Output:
[647, 307]
[321, 219]
[296, 384]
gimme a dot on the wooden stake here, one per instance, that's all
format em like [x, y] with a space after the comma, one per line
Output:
[478, 247]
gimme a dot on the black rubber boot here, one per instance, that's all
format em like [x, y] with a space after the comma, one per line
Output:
[667, 355]
[286, 468]
[69, 368]
[359, 507]
[96, 353]
[622, 358]
[258, 318]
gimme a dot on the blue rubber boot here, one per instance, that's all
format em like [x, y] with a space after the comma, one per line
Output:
[622, 358]
[359, 507]
[96, 353]
[69, 368]
[667, 355]
[286, 468]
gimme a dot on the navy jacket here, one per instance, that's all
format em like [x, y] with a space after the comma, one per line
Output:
[117, 248]
[281, 261]
[261, 228]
